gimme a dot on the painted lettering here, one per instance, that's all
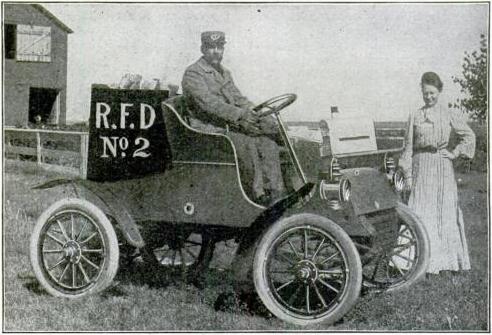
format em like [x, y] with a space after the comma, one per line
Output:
[124, 114]
[140, 151]
[143, 109]
[100, 115]
[112, 146]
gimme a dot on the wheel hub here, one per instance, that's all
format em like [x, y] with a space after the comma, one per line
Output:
[306, 271]
[72, 251]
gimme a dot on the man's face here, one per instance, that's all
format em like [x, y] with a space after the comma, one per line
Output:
[213, 53]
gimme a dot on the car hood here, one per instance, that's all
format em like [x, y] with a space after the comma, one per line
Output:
[370, 190]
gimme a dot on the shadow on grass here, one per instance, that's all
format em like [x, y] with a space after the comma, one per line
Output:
[214, 280]
[248, 302]
[141, 274]
[160, 276]
[30, 282]
[229, 300]
[33, 286]
[114, 291]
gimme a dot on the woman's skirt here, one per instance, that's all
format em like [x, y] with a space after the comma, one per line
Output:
[434, 199]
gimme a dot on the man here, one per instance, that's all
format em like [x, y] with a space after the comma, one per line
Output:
[215, 104]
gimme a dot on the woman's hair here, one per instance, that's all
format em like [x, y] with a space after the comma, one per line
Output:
[431, 78]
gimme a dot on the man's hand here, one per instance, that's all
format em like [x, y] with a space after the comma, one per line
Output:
[250, 117]
[268, 125]
[249, 124]
[249, 128]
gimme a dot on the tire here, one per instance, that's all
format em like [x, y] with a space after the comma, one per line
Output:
[74, 249]
[407, 262]
[329, 273]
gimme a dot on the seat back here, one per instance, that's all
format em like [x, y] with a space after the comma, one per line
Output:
[189, 144]
[179, 104]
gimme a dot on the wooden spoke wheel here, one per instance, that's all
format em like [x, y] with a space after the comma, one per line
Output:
[190, 255]
[406, 261]
[74, 249]
[307, 270]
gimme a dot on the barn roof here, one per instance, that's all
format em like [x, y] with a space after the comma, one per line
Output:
[53, 18]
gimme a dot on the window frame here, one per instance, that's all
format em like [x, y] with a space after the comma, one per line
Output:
[32, 58]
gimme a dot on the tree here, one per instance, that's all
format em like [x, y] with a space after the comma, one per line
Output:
[474, 82]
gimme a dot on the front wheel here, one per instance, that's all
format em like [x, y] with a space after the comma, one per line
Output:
[74, 249]
[306, 270]
[406, 261]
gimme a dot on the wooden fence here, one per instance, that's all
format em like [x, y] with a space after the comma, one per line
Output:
[52, 150]
[66, 151]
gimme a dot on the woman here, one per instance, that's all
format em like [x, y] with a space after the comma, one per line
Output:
[427, 162]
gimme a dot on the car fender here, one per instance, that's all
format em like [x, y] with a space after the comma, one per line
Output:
[108, 203]
[273, 213]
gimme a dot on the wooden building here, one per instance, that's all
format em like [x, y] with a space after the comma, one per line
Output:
[35, 66]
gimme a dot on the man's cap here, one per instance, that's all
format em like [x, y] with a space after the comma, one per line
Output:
[213, 37]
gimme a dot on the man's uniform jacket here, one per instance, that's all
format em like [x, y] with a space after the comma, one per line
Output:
[214, 103]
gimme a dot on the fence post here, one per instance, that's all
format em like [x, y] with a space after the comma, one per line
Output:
[8, 145]
[84, 141]
[38, 147]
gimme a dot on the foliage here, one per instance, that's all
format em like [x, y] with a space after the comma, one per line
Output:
[474, 82]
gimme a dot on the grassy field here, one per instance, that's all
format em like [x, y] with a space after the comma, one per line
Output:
[152, 299]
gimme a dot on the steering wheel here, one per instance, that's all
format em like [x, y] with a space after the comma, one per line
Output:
[274, 105]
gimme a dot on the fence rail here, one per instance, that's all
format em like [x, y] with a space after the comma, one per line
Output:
[53, 150]
[66, 151]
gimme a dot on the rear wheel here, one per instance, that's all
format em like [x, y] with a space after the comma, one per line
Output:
[306, 270]
[406, 261]
[74, 249]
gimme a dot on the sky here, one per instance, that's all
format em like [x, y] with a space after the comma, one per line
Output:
[367, 59]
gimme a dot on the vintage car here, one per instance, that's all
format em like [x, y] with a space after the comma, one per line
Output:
[160, 189]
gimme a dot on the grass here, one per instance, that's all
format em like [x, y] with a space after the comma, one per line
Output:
[154, 300]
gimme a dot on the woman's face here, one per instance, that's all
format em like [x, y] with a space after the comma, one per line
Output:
[430, 94]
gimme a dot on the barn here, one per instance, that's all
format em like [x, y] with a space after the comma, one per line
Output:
[35, 66]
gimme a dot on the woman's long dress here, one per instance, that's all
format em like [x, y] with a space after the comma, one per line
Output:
[434, 196]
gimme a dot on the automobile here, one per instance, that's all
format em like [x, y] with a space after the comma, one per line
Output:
[160, 190]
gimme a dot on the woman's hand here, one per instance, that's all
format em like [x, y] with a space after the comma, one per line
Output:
[447, 154]
[408, 184]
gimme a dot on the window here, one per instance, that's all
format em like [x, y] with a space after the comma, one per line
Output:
[44, 105]
[10, 40]
[33, 43]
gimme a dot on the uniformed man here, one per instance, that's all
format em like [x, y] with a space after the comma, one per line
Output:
[215, 104]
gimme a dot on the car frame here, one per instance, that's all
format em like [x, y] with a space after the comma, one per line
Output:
[306, 260]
